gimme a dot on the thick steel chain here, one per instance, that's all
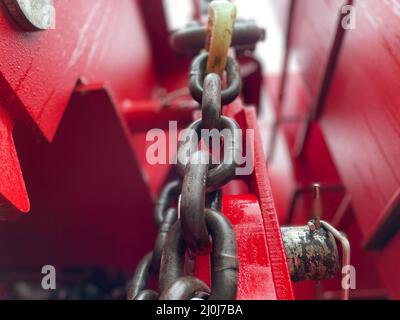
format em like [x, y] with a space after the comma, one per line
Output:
[200, 229]
[170, 191]
[224, 261]
[198, 224]
[222, 173]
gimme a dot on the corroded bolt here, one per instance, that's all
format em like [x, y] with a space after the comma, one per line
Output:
[311, 255]
[32, 15]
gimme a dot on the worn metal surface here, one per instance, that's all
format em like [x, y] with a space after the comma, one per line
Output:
[193, 203]
[170, 192]
[169, 219]
[311, 255]
[184, 288]
[224, 265]
[224, 259]
[198, 73]
[211, 104]
[222, 173]
[173, 258]
[32, 15]
[140, 278]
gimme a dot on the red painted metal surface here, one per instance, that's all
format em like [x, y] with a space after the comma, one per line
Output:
[84, 186]
[319, 19]
[100, 42]
[260, 186]
[366, 148]
[353, 141]
[90, 204]
[256, 279]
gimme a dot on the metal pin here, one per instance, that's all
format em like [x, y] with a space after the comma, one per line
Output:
[317, 205]
[346, 255]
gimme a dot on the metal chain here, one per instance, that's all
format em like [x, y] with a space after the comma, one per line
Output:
[170, 191]
[198, 224]
[201, 228]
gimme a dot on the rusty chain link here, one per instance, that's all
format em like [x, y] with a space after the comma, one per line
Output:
[140, 278]
[170, 218]
[198, 73]
[170, 191]
[193, 204]
[222, 173]
[211, 104]
[224, 262]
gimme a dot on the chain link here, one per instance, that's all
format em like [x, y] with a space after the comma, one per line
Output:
[198, 73]
[193, 204]
[225, 171]
[141, 277]
[170, 218]
[170, 191]
[224, 262]
[191, 40]
[184, 288]
[211, 103]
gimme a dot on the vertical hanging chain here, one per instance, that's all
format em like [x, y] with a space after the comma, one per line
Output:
[200, 228]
